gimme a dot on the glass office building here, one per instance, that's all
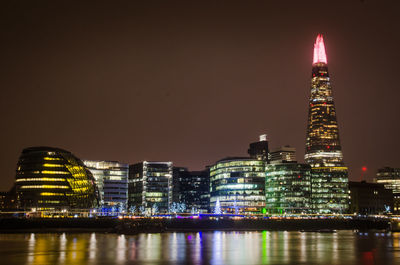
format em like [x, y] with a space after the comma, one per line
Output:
[370, 198]
[329, 181]
[390, 178]
[283, 154]
[112, 181]
[238, 184]
[288, 188]
[50, 178]
[150, 187]
[259, 150]
[192, 188]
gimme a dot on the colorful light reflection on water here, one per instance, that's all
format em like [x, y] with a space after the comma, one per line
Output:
[344, 247]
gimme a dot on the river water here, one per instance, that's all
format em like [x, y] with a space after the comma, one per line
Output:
[343, 247]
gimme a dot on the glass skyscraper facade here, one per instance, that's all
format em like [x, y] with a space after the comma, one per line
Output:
[50, 178]
[238, 184]
[150, 187]
[112, 181]
[329, 181]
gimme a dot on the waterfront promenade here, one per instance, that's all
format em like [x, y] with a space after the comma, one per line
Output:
[129, 225]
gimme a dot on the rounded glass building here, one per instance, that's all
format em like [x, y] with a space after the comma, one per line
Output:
[50, 178]
[238, 184]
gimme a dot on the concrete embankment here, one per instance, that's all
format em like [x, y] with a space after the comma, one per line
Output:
[148, 225]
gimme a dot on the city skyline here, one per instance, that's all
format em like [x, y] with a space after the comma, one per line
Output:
[172, 87]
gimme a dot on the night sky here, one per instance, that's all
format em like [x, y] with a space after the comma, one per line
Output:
[194, 82]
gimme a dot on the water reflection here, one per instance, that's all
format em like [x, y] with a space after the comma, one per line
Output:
[92, 247]
[345, 247]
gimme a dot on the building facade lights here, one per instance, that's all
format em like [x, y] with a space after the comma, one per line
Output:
[70, 186]
[192, 188]
[112, 181]
[238, 184]
[150, 187]
[329, 179]
[287, 183]
[390, 178]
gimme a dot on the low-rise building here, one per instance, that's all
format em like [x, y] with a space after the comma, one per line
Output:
[283, 154]
[390, 178]
[370, 198]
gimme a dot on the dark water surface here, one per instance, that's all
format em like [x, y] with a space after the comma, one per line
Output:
[343, 247]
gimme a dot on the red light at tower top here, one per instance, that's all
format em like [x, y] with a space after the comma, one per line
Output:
[319, 50]
[364, 171]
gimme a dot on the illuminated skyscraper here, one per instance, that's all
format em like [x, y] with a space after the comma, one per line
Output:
[329, 180]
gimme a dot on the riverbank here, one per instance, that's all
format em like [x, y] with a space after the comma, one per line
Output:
[158, 225]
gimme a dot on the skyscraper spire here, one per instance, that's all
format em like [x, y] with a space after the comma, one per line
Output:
[323, 150]
[319, 50]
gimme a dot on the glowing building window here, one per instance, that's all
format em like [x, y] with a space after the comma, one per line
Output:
[40, 179]
[44, 187]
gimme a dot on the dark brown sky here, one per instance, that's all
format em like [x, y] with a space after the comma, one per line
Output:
[192, 83]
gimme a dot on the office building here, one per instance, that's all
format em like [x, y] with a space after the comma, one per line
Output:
[370, 198]
[112, 182]
[287, 184]
[259, 150]
[8, 200]
[192, 189]
[390, 178]
[283, 154]
[150, 187]
[238, 184]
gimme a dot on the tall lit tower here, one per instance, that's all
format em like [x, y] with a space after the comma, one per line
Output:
[329, 182]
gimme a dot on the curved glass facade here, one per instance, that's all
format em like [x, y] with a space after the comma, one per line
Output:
[53, 179]
[238, 184]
